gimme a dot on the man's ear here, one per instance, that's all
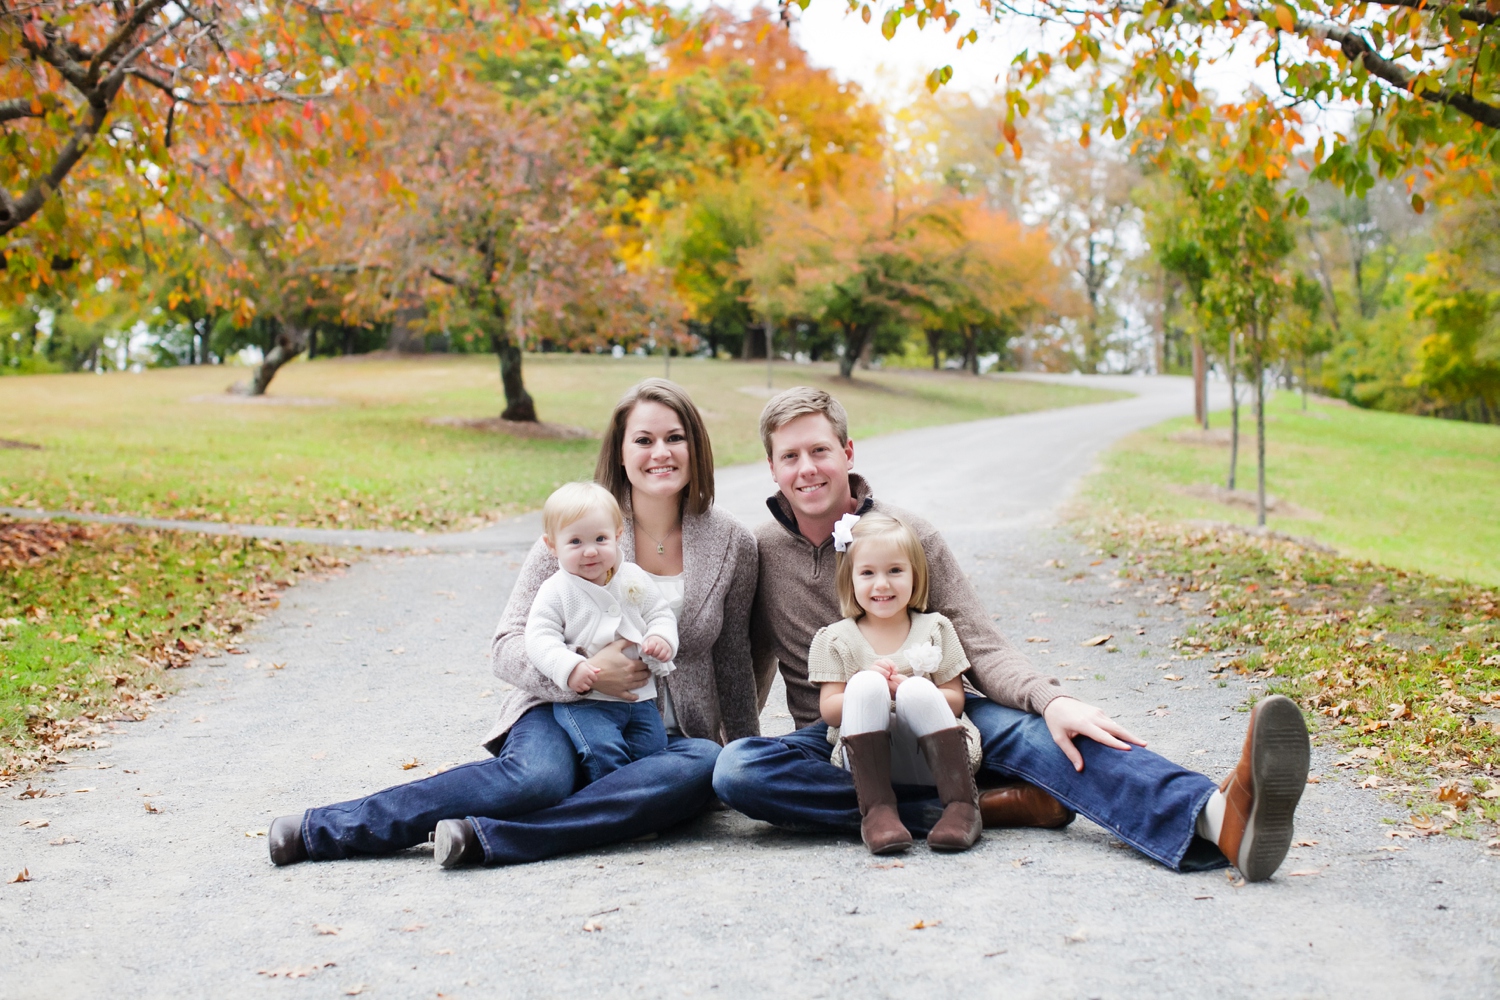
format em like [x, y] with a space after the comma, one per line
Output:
[849, 451]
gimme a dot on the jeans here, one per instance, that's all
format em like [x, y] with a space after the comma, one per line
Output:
[1143, 798]
[645, 796]
[610, 734]
[530, 783]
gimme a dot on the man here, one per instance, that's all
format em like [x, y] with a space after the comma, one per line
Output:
[1030, 728]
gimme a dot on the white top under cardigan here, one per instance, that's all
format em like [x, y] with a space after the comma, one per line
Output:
[571, 614]
[674, 589]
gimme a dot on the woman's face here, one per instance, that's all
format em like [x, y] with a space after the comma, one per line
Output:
[656, 450]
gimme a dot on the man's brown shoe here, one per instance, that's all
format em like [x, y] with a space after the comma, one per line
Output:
[284, 840]
[1261, 794]
[1023, 804]
[869, 756]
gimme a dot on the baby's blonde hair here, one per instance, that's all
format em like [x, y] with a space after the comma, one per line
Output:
[570, 501]
[882, 526]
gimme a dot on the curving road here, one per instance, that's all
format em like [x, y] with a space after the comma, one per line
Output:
[384, 665]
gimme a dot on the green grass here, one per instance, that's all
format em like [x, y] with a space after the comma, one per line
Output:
[1409, 492]
[92, 617]
[140, 444]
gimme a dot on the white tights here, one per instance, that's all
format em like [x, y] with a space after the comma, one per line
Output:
[920, 709]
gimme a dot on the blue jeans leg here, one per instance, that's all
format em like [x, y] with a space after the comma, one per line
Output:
[646, 796]
[789, 781]
[610, 734]
[1141, 797]
[534, 769]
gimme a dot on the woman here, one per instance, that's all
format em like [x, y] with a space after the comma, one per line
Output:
[521, 805]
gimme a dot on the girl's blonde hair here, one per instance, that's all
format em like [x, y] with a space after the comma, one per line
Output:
[882, 526]
[570, 501]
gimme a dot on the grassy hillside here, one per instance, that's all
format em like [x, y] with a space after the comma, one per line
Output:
[347, 442]
[1408, 492]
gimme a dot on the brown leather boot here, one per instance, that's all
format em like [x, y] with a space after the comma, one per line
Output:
[1023, 804]
[1261, 794]
[869, 757]
[947, 753]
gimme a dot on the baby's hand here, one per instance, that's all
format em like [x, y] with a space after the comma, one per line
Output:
[581, 680]
[656, 647]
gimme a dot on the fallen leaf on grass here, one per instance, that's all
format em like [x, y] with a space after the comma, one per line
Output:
[63, 840]
[891, 864]
[325, 929]
[1455, 795]
[1493, 793]
[24, 875]
[589, 927]
[409, 764]
[294, 971]
[1373, 781]
[1097, 640]
[922, 925]
[35, 824]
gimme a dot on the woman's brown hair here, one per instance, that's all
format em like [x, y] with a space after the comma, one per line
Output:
[610, 472]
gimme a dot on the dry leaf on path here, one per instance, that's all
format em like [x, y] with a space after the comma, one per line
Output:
[80, 791]
[1037, 638]
[590, 927]
[151, 808]
[409, 764]
[1077, 937]
[922, 925]
[1172, 677]
[251, 664]
[1097, 640]
[256, 833]
[294, 971]
[64, 840]
[355, 990]
[24, 875]
[325, 929]
[891, 864]
[1305, 843]
[36, 823]
[412, 928]
[1304, 871]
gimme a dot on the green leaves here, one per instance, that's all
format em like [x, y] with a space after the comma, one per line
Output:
[890, 23]
[938, 77]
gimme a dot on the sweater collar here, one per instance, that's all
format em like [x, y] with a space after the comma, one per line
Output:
[781, 508]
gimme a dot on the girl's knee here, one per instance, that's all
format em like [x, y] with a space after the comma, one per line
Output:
[867, 684]
[916, 689]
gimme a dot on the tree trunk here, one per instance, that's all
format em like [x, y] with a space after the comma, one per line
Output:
[1260, 429]
[854, 346]
[866, 353]
[518, 402]
[1304, 383]
[971, 350]
[1200, 383]
[1234, 415]
[933, 338]
[291, 340]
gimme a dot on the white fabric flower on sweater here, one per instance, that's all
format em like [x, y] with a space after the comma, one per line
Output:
[843, 532]
[633, 591]
[924, 660]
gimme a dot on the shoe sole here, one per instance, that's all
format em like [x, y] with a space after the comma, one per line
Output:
[897, 848]
[1279, 754]
[447, 847]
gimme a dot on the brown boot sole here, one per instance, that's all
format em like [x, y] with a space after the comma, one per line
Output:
[1279, 756]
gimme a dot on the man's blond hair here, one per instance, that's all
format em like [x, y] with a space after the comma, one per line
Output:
[570, 501]
[799, 401]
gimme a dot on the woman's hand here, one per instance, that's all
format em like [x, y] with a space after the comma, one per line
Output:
[1068, 717]
[618, 675]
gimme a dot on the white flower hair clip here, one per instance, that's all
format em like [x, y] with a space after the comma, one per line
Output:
[924, 660]
[843, 532]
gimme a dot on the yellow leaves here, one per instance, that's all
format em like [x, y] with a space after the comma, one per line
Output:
[864, 13]
[1286, 17]
[890, 23]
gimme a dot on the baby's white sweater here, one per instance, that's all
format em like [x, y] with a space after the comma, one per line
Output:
[569, 613]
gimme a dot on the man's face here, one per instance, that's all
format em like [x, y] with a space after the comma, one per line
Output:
[810, 467]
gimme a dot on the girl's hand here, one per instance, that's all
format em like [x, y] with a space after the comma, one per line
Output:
[618, 675]
[885, 667]
[895, 680]
[1068, 717]
[581, 680]
[656, 647]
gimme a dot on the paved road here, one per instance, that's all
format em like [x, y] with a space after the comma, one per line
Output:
[384, 664]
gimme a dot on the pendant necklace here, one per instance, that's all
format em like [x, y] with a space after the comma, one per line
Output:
[661, 548]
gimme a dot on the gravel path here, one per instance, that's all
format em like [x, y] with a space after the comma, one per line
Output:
[384, 664]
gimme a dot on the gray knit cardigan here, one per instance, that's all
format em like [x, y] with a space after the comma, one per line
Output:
[713, 688]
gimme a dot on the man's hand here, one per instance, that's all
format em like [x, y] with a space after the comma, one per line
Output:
[1068, 717]
[657, 648]
[618, 675]
[581, 680]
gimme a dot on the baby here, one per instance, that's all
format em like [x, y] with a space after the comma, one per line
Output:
[594, 599]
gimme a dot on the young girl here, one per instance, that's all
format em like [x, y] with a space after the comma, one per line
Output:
[892, 690]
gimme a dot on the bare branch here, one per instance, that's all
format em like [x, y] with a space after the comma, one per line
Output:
[127, 31]
[21, 107]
